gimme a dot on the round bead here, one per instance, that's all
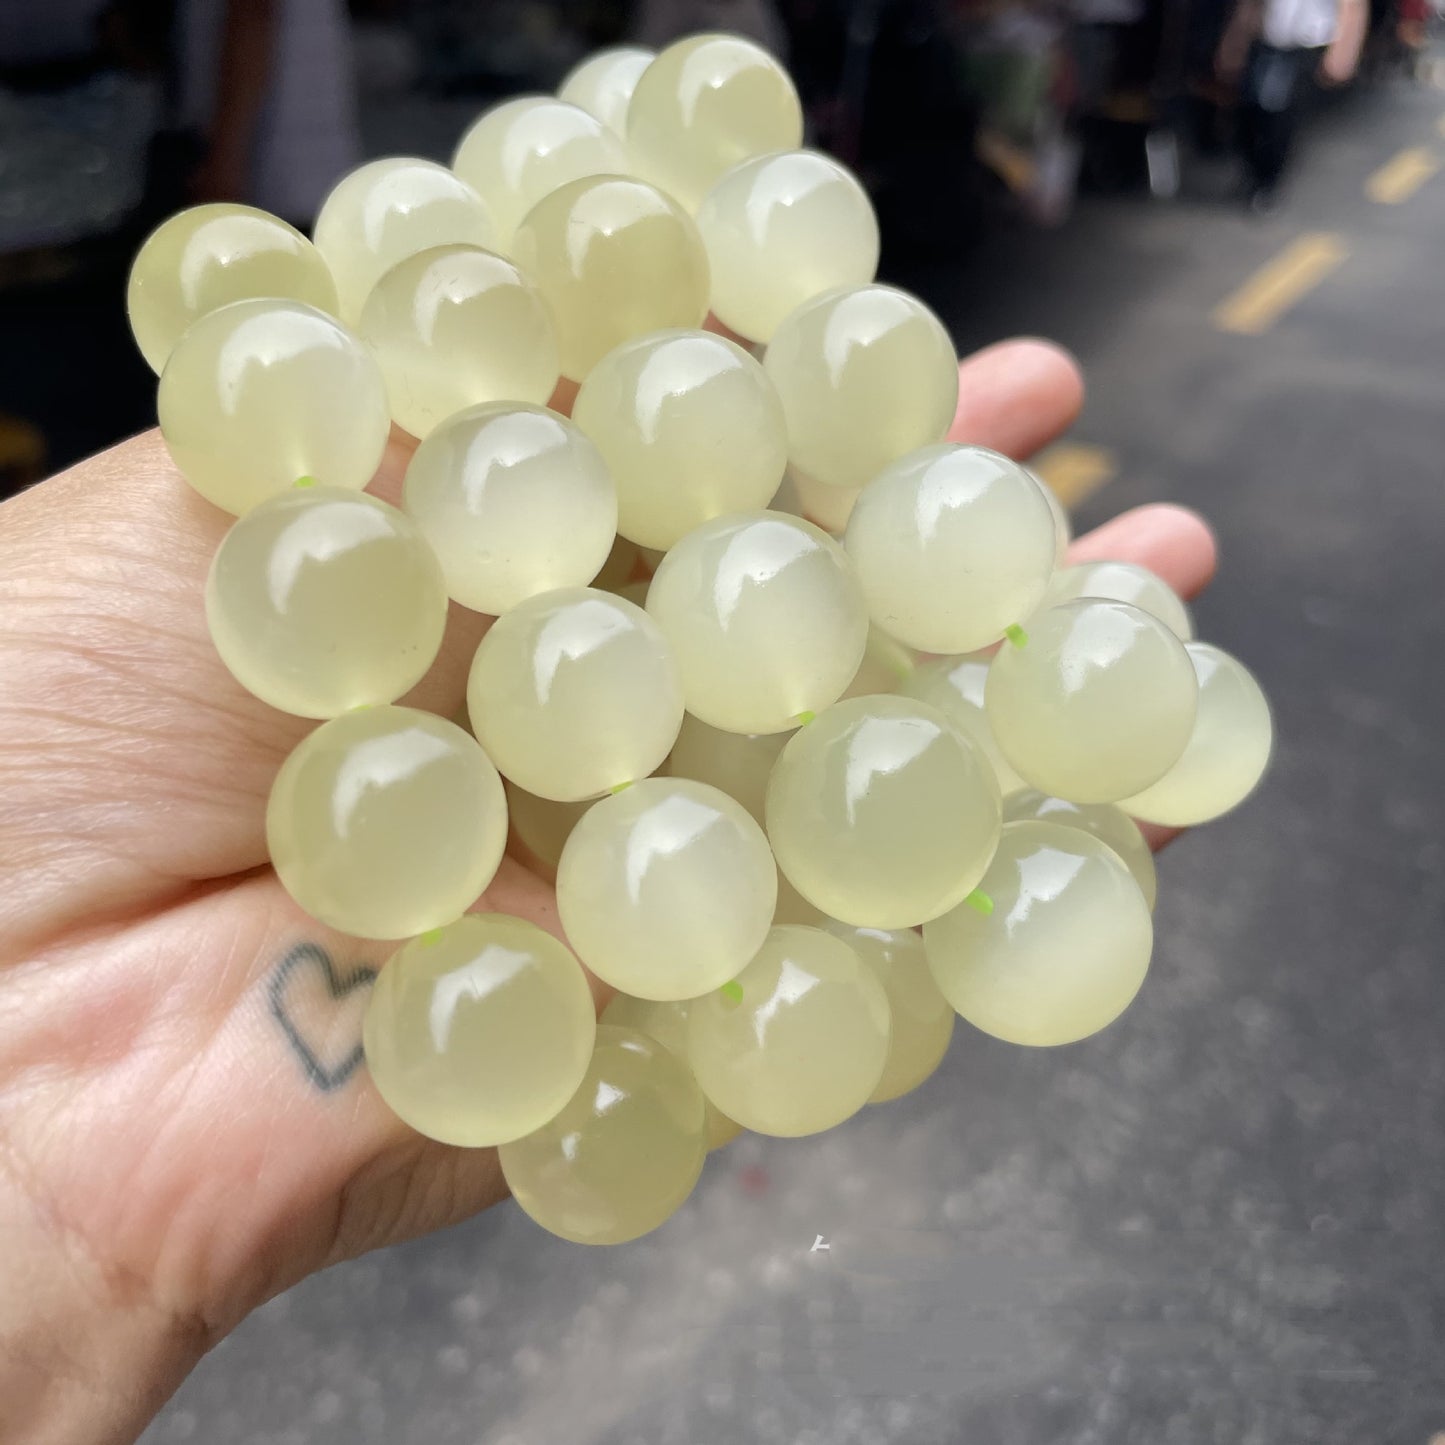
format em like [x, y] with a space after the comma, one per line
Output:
[614, 258]
[514, 500]
[625, 1151]
[737, 763]
[922, 1017]
[690, 427]
[1108, 823]
[887, 664]
[1096, 705]
[1228, 750]
[666, 889]
[1122, 582]
[667, 1023]
[455, 327]
[603, 84]
[881, 813]
[481, 1031]
[765, 618]
[386, 822]
[575, 692]
[542, 826]
[524, 149]
[206, 257]
[259, 394]
[804, 1047]
[388, 210]
[866, 376]
[705, 104]
[322, 600]
[955, 686]
[780, 229]
[952, 545]
[1062, 952]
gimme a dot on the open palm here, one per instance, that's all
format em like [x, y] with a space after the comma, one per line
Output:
[184, 1125]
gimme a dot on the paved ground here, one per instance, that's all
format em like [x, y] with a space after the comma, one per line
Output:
[1221, 1222]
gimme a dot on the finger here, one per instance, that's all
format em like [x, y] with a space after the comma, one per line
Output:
[1016, 397]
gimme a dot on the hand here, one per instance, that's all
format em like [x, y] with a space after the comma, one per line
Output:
[184, 1126]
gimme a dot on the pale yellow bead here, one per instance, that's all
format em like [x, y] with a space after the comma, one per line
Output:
[455, 327]
[614, 258]
[542, 826]
[1228, 750]
[922, 1018]
[575, 692]
[259, 394]
[955, 686]
[1062, 952]
[952, 545]
[705, 104]
[828, 507]
[866, 375]
[738, 763]
[208, 256]
[386, 822]
[603, 83]
[667, 1023]
[1122, 582]
[388, 210]
[887, 665]
[804, 1045]
[481, 1031]
[625, 1151]
[514, 500]
[690, 427]
[1107, 822]
[765, 617]
[524, 149]
[666, 889]
[1096, 705]
[779, 230]
[321, 600]
[882, 813]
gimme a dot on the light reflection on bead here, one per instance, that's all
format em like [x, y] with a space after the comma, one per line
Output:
[1122, 582]
[1108, 823]
[955, 686]
[603, 83]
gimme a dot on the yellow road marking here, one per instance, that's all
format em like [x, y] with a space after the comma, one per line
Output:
[1073, 471]
[1399, 178]
[1279, 283]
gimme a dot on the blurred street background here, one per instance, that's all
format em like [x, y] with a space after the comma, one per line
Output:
[1221, 1220]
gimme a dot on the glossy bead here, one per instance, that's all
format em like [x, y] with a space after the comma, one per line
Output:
[603, 83]
[1122, 582]
[208, 256]
[1227, 752]
[881, 813]
[955, 686]
[1107, 822]
[614, 258]
[524, 149]
[705, 104]
[765, 619]
[690, 427]
[387, 210]
[575, 692]
[259, 394]
[922, 1018]
[866, 375]
[386, 822]
[456, 327]
[514, 500]
[800, 1043]
[737, 763]
[779, 230]
[625, 1151]
[481, 1031]
[1063, 949]
[1096, 705]
[666, 889]
[321, 600]
[952, 545]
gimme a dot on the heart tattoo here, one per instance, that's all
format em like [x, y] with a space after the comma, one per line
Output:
[319, 1012]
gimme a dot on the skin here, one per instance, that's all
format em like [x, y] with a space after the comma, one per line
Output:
[168, 1158]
